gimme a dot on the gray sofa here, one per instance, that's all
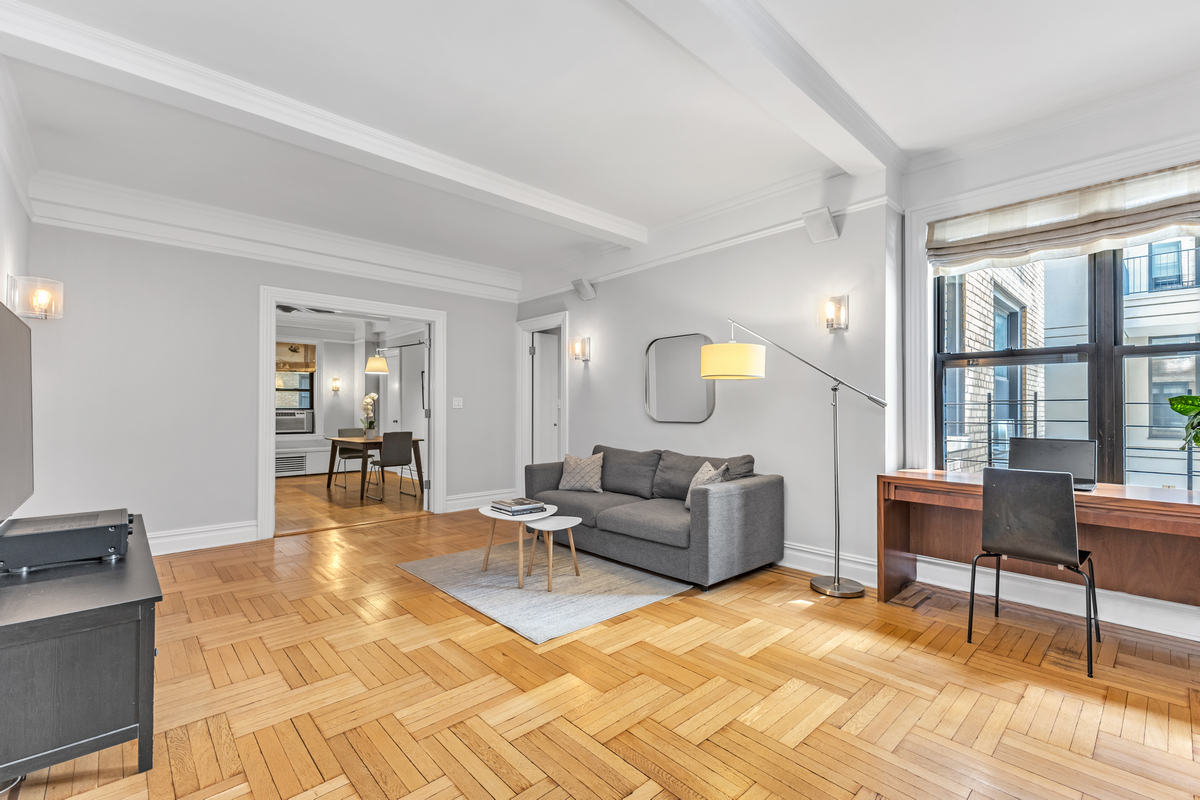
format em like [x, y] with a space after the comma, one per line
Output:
[639, 518]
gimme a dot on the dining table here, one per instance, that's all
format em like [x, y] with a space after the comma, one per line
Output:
[366, 444]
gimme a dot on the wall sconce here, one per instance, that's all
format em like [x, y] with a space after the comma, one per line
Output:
[336, 384]
[39, 298]
[837, 313]
[581, 348]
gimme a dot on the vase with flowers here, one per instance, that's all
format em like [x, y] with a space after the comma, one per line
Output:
[368, 418]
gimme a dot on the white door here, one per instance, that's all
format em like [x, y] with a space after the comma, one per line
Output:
[393, 400]
[546, 428]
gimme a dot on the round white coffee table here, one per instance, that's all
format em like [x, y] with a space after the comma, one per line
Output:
[523, 519]
[548, 526]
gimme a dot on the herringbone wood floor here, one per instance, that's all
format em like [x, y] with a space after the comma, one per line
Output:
[310, 667]
[303, 503]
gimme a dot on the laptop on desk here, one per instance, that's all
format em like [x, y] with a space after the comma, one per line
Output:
[1076, 456]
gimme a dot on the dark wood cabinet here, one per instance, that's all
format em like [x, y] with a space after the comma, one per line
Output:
[77, 660]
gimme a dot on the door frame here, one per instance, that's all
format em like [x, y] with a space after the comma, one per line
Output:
[269, 297]
[525, 330]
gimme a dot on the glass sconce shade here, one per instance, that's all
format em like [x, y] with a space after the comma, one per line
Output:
[837, 313]
[336, 384]
[581, 348]
[39, 298]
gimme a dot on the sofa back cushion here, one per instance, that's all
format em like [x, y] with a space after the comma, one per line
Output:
[675, 472]
[629, 471]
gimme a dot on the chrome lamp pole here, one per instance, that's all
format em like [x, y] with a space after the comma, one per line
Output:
[739, 361]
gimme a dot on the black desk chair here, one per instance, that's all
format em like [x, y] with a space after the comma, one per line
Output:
[1030, 516]
[347, 453]
[396, 451]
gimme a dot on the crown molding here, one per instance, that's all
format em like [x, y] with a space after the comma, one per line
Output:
[720, 244]
[62, 44]
[70, 202]
[16, 148]
[1124, 103]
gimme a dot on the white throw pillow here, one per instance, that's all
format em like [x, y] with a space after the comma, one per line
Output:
[581, 474]
[703, 477]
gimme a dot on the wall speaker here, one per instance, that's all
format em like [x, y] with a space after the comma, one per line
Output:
[819, 224]
[588, 292]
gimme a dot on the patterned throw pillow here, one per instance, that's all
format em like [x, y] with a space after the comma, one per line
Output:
[703, 477]
[581, 474]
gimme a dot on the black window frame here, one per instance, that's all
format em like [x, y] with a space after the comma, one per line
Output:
[312, 381]
[1104, 352]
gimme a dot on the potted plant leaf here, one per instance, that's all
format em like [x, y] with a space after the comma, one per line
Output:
[1189, 406]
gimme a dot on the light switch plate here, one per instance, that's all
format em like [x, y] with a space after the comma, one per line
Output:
[458, 402]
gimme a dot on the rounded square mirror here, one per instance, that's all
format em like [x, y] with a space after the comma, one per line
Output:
[675, 392]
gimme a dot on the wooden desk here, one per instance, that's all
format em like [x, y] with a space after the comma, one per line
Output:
[77, 660]
[1145, 541]
[366, 445]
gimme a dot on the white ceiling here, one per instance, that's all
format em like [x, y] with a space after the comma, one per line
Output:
[600, 118]
[936, 73]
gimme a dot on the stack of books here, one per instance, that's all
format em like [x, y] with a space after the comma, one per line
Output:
[518, 506]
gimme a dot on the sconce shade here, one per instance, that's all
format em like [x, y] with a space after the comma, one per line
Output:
[39, 298]
[733, 361]
[377, 365]
[837, 313]
[581, 348]
[336, 384]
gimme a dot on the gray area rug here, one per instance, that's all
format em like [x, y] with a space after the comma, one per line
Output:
[602, 590]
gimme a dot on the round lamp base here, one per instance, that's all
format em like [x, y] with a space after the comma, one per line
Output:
[825, 584]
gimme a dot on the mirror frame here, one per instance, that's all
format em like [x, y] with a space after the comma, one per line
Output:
[711, 389]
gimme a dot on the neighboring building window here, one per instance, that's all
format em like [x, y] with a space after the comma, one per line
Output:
[1170, 376]
[1166, 266]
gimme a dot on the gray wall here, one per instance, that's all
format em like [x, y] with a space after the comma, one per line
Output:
[140, 317]
[14, 235]
[776, 285]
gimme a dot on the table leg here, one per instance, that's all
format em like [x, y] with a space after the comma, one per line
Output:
[420, 469]
[520, 555]
[333, 446]
[549, 537]
[488, 551]
[571, 539]
[532, 553]
[362, 483]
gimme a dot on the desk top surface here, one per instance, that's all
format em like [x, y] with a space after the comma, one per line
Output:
[58, 591]
[1104, 494]
[362, 439]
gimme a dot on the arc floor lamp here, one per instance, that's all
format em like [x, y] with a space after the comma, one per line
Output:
[735, 360]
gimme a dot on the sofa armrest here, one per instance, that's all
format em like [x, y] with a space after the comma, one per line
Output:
[542, 477]
[736, 526]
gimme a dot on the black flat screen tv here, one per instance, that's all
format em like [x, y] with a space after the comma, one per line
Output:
[16, 413]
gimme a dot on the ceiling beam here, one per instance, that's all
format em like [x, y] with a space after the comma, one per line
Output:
[745, 45]
[64, 45]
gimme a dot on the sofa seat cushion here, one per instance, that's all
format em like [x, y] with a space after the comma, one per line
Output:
[628, 471]
[659, 520]
[675, 471]
[585, 505]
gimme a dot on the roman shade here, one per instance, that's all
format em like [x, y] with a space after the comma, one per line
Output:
[1106, 216]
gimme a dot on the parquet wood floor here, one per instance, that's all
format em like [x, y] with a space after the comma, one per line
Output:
[310, 667]
[302, 503]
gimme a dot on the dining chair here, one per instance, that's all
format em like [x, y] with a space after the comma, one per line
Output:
[1030, 516]
[347, 453]
[396, 451]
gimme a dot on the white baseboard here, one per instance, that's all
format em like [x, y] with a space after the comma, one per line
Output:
[463, 502]
[1143, 613]
[819, 561]
[184, 539]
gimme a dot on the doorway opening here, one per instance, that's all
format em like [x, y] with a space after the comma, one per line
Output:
[315, 357]
[542, 424]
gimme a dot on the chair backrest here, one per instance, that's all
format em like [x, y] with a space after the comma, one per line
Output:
[1030, 515]
[396, 450]
[350, 432]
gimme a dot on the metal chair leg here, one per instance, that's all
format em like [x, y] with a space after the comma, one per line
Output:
[971, 604]
[378, 468]
[996, 614]
[1095, 608]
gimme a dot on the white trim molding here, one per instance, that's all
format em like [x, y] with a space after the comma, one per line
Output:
[16, 148]
[435, 466]
[71, 202]
[466, 502]
[182, 540]
[55, 42]
[525, 330]
[1143, 613]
